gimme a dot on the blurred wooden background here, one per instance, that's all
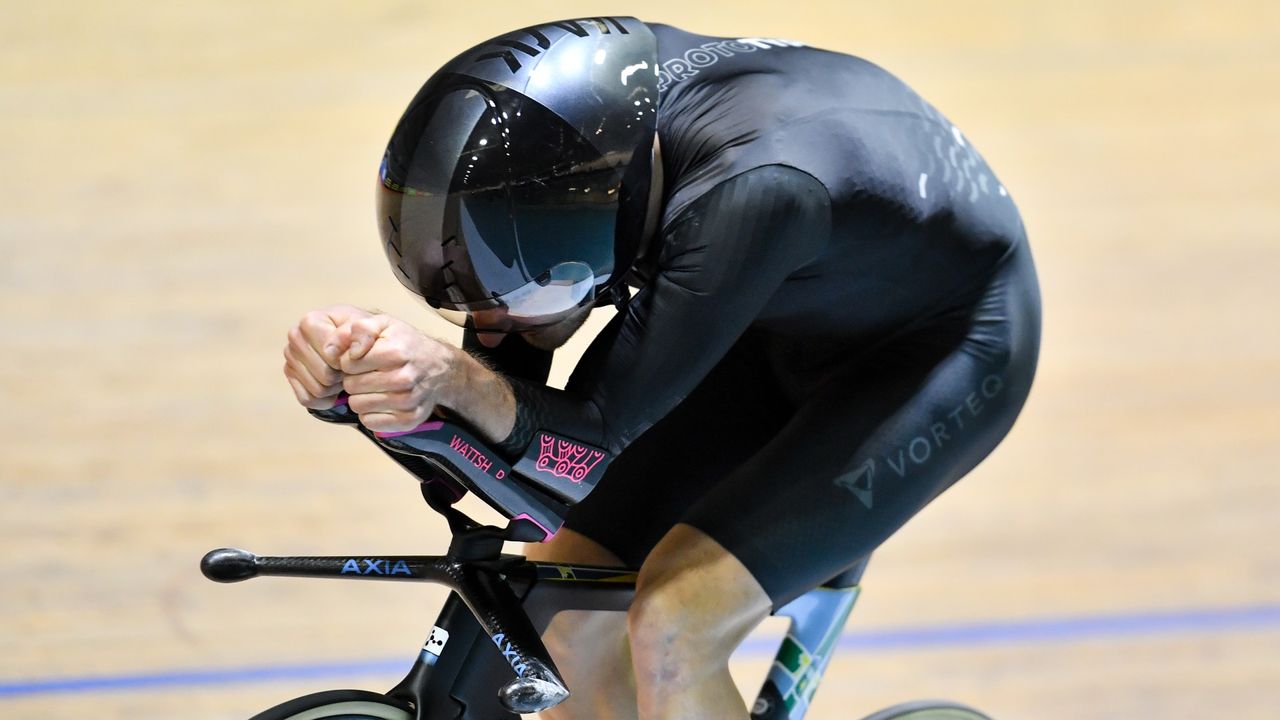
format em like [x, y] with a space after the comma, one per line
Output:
[180, 181]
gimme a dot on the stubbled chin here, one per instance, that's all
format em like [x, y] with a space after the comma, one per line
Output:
[552, 337]
[544, 340]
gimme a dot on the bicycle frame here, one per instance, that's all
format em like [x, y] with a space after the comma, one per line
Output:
[505, 602]
[490, 625]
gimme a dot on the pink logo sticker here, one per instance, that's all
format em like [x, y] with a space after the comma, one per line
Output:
[566, 459]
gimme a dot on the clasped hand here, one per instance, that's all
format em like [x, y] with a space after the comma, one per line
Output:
[394, 374]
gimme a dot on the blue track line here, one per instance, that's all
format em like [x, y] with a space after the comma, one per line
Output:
[1051, 630]
[1035, 630]
[192, 678]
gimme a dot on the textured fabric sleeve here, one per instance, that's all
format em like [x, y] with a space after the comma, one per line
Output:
[721, 260]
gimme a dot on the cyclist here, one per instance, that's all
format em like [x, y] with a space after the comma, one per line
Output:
[837, 317]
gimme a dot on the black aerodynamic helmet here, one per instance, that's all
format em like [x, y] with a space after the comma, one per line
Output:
[518, 179]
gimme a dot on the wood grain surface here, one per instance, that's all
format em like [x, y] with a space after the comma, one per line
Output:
[180, 181]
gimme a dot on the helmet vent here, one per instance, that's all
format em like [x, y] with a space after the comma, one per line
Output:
[507, 56]
[601, 23]
[573, 27]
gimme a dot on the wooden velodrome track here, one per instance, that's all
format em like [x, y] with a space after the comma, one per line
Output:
[180, 181]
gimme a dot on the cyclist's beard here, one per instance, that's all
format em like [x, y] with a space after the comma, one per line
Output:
[552, 337]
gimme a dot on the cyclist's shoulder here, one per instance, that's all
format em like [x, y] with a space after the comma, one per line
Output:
[687, 60]
[751, 192]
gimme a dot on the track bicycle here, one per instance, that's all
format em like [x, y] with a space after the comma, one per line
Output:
[484, 658]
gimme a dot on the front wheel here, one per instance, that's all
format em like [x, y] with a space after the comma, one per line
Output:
[339, 705]
[928, 710]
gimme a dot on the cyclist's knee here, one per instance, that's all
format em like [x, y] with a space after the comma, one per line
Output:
[662, 629]
[694, 603]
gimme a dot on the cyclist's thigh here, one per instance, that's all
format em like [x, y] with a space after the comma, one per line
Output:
[647, 488]
[876, 441]
[570, 546]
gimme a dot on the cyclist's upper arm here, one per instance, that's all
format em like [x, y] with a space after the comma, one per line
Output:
[721, 260]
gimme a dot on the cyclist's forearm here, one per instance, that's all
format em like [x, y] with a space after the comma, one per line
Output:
[482, 396]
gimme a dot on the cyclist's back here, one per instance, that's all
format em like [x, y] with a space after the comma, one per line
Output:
[919, 222]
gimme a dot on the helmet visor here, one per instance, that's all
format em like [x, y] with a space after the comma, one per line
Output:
[498, 207]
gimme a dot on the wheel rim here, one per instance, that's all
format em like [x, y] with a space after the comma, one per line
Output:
[928, 710]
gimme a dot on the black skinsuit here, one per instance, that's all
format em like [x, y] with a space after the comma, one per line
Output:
[839, 319]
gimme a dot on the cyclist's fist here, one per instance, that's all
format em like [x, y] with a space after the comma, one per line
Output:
[394, 373]
[311, 355]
